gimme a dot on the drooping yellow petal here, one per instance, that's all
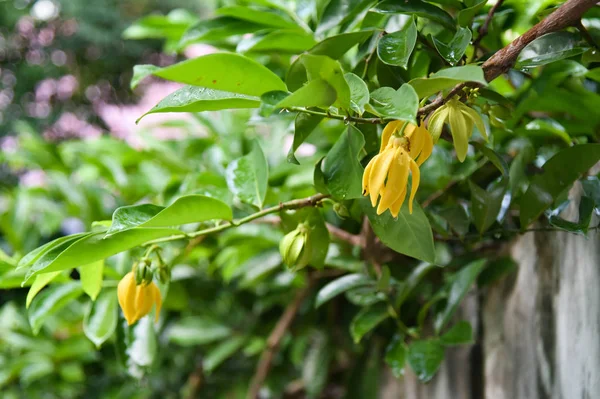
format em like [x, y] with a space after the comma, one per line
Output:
[409, 130]
[416, 180]
[476, 118]
[366, 176]
[379, 173]
[126, 290]
[157, 301]
[144, 300]
[388, 130]
[460, 136]
[436, 122]
[397, 180]
[416, 143]
[396, 206]
[427, 146]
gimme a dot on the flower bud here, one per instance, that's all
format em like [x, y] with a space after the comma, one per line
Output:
[164, 275]
[135, 300]
[293, 249]
[341, 210]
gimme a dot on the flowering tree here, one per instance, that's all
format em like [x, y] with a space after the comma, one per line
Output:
[421, 136]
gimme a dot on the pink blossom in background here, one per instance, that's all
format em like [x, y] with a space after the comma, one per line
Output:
[70, 125]
[33, 178]
[66, 87]
[197, 50]
[45, 89]
[9, 144]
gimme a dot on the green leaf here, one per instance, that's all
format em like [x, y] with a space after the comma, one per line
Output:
[341, 167]
[222, 71]
[282, 41]
[395, 48]
[549, 48]
[411, 282]
[140, 72]
[222, 352]
[251, 14]
[304, 125]
[591, 188]
[425, 358]
[199, 99]
[187, 209]
[50, 301]
[559, 173]
[457, 218]
[395, 355]
[496, 270]
[359, 93]
[401, 104]
[586, 208]
[494, 158]
[93, 247]
[341, 285]
[171, 26]
[408, 234]
[316, 93]
[39, 283]
[593, 74]
[461, 283]
[367, 319]
[91, 278]
[217, 29]
[466, 15]
[486, 204]
[453, 51]
[336, 46]
[269, 101]
[37, 253]
[101, 318]
[447, 78]
[329, 70]
[197, 330]
[247, 177]
[137, 345]
[461, 333]
[418, 8]
[316, 365]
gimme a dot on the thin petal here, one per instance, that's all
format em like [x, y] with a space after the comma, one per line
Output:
[396, 183]
[436, 122]
[417, 141]
[379, 173]
[126, 296]
[396, 206]
[416, 179]
[409, 130]
[427, 146]
[388, 130]
[157, 301]
[366, 174]
[476, 118]
[458, 127]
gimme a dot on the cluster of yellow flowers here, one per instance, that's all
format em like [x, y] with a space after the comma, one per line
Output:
[404, 147]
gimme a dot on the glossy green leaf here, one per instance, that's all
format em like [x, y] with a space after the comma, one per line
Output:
[408, 234]
[466, 15]
[401, 104]
[269, 101]
[359, 93]
[593, 74]
[199, 99]
[447, 78]
[493, 157]
[187, 209]
[453, 51]
[101, 317]
[395, 355]
[457, 218]
[258, 16]
[425, 358]
[316, 364]
[137, 345]
[336, 46]
[93, 247]
[196, 330]
[336, 12]
[549, 48]
[410, 283]
[228, 72]
[50, 301]
[216, 29]
[91, 278]
[418, 8]
[171, 26]
[304, 125]
[140, 72]
[586, 208]
[395, 48]
[486, 204]
[39, 283]
[341, 167]
[37, 253]
[222, 352]
[281, 41]
[459, 334]
[329, 70]
[316, 93]
[367, 319]
[461, 284]
[247, 177]
[559, 172]
[341, 285]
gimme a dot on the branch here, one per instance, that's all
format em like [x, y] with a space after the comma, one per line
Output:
[483, 29]
[315, 200]
[283, 324]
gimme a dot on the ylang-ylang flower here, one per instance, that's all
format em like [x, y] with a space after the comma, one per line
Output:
[137, 300]
[404, 147]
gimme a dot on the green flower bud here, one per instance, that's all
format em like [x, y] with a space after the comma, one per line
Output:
[143, 271]
[341, 210]
[294, 248]
[164, 275]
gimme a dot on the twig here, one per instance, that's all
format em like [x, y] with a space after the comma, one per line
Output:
[283, 324]
[586, 35]
[369, 240]
[315, 200]
[483, 29]
[195, 382]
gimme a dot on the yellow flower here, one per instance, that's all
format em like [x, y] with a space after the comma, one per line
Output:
[137, 300]
[386, 175]
[461, 119]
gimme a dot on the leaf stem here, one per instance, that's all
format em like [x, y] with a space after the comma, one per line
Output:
[315, 200]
